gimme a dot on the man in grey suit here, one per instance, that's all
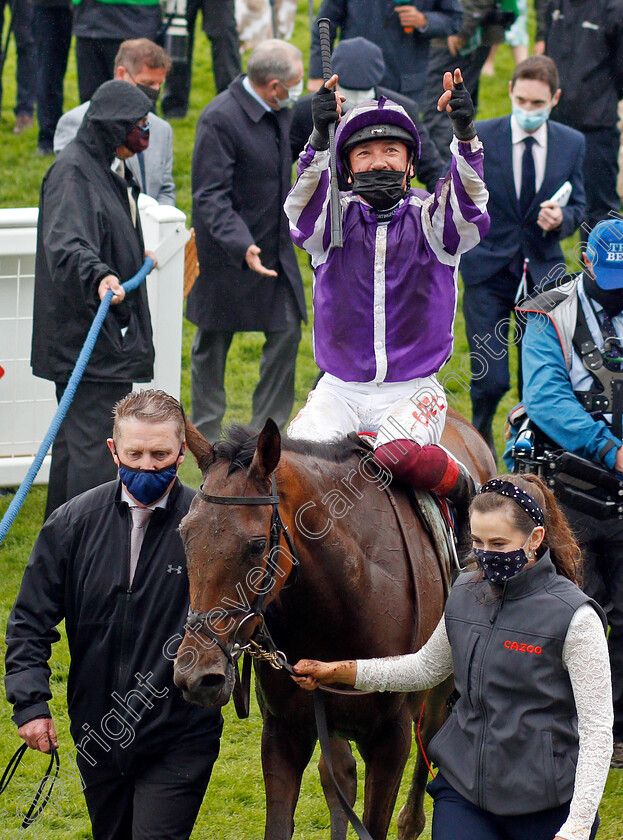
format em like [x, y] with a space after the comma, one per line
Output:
[144, 64]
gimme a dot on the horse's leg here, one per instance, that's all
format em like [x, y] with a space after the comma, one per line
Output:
[385, 754]
[345, 769]
[411, 819]
[285, 755]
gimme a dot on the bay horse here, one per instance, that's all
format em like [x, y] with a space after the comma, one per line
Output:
[341, 586]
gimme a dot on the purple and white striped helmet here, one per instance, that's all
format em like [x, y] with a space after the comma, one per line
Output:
[375, 120]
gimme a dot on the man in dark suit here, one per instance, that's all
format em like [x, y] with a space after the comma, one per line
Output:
[249, 277]
[527, 161]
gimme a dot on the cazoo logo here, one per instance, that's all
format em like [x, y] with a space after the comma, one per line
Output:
[522, 647]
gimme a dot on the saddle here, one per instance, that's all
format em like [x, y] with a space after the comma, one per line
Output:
[432, 512]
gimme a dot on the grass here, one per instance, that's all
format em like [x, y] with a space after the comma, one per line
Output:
[234, 806]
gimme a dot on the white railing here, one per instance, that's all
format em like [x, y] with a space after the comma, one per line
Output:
[27, 404]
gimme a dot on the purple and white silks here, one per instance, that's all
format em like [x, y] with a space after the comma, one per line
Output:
[384, 304]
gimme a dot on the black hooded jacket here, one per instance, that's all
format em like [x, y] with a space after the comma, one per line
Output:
[585, 39]
[85, 233]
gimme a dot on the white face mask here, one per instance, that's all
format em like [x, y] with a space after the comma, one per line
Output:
[293, 94]
[355, 97]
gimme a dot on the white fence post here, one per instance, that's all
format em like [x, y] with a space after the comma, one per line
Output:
[27, 404]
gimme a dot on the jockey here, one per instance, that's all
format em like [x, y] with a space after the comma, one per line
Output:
[384, 304]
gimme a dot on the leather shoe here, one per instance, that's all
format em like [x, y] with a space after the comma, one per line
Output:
[22, 123]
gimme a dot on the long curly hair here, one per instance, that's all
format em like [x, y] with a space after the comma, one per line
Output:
[564, 550]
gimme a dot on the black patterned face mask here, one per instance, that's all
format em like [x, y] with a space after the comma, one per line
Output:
[500, 566]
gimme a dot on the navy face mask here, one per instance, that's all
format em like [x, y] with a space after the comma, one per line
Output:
[499, 566]
[147, 486]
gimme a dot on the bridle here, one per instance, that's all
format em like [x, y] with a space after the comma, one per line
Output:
[262, 645]
[199, 622]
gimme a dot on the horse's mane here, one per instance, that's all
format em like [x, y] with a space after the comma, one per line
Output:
[238, 445]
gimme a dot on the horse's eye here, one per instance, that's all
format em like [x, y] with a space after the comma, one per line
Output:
[257, 547]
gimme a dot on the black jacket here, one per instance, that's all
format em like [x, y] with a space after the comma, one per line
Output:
[78, 571]
[241, 176]
[85, 232]
[428, 169]
[510, 745]
[585, 39]
[117, 21]
[405, 54]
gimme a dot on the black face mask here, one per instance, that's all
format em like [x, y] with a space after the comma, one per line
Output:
[150, 92]
[381, 188]
[610, 299]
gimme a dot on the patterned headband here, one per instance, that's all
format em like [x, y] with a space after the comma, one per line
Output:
[523, 499]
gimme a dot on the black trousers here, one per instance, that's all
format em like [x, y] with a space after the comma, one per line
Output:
[26, 73]
[95, 59]
[157, 798]
[601, 542]
[219, 25]
[274, 393]
[80, 457]
[487, 308]
[455, 818]
[600, 174]
[52, 28]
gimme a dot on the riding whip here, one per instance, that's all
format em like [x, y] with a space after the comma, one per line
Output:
[273, 18]
[324, 32]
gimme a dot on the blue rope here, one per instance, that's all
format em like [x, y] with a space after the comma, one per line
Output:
[67, 398]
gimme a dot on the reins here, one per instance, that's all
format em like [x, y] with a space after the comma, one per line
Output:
[36, 809]
[262, 645]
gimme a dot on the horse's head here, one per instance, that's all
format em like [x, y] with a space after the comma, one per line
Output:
[227, 557]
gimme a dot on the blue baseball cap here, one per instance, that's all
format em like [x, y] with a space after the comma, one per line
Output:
[605, 250]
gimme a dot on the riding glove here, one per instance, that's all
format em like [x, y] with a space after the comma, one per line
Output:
[462, 113]
[324, 112]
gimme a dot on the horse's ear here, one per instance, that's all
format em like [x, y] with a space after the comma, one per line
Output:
[267, 453]
[199, 446]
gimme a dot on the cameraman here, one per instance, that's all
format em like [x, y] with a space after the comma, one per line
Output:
[562, 392]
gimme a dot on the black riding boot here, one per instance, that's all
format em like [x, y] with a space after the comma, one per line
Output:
[460, 496]
[483, 414]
